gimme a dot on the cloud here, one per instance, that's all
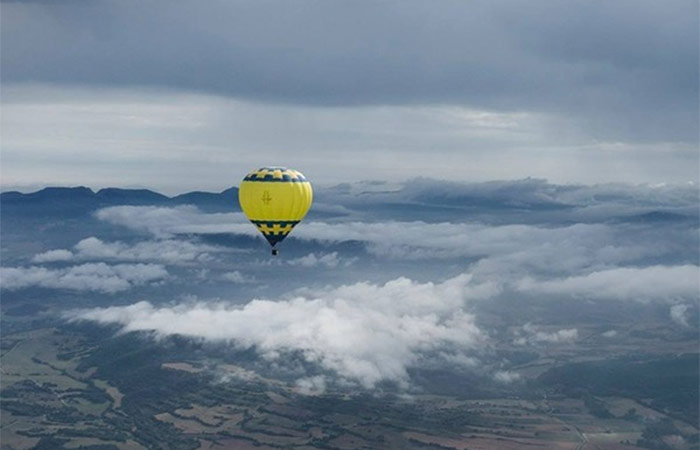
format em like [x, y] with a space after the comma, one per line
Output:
[98, 277]
[313, 260]
[186, 142]
[506, 376]
[168, 251]
[667, 283]
[531, 334]
[363, 333]
[166, 222]
[503, 248]
[639, 81]
[311, 385]
[646, 261]
[609, 334]
[53, 256]
[237, 277]
[540, 196]
[679, 314]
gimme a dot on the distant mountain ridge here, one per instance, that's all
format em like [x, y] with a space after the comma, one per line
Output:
[495, 202]
[82, 199]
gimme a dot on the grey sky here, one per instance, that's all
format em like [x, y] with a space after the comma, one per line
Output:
[144, 92]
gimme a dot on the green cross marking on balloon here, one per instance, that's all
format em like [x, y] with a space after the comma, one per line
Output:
[266, 198]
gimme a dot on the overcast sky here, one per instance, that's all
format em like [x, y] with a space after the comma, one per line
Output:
[182, 95]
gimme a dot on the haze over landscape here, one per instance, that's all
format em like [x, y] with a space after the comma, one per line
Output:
[502, 251]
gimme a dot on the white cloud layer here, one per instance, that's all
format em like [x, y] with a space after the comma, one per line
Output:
[598, 261]
[506, 376]
[531, 334]
[679, 314]
[53, 256]
[170, 251]
[581, 260]
[237, 277]
[86, 277]
[669, 283]
[187, 142]
[363, 332]
[315, 385]
[505, 248]
[166, 222]
[321, 259]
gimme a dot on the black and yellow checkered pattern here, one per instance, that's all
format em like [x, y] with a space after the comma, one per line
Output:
[275, 231]
[281, 174]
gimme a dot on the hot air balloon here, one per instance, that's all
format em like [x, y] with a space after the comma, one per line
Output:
[275, 199]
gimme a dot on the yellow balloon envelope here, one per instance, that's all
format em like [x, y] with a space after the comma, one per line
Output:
[275, 199]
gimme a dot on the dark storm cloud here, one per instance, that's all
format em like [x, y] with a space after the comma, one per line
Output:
[624, 70]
